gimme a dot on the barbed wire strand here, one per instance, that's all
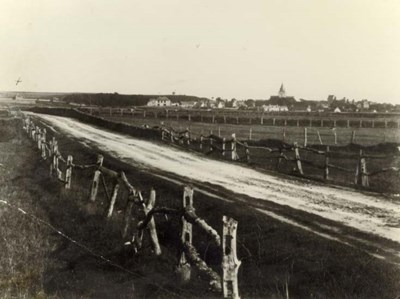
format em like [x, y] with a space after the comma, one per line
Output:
[82, 246]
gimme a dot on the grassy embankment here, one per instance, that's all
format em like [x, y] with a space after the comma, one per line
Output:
[276, 258]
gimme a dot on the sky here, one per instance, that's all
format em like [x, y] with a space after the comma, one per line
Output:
[230, 49]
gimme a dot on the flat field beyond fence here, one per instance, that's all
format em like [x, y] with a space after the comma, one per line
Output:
[363, 136]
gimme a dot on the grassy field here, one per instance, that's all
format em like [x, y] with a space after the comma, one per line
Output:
[364, 136]
[37, 262]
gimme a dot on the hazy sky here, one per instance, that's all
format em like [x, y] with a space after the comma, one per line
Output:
[242, 49]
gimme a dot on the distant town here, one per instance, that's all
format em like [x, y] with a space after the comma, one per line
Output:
[281, 102]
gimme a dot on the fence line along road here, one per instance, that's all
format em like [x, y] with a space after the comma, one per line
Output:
[227, 285]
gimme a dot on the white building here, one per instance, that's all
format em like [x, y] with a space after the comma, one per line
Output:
[159, 102]
[274, 108]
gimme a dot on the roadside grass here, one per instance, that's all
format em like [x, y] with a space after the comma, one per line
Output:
[277, 258]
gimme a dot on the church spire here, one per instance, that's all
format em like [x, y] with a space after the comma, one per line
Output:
[282, 92]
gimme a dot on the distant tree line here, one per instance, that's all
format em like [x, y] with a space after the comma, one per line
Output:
[120, 100]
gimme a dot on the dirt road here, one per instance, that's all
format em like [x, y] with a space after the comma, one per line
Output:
[366, 220]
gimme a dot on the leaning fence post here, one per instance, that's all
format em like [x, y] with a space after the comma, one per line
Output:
[297, 158]
[319, 137]
[152, 224]
[95, 183]
[68, 173]
[230, 262]
[186, 236]
[113, 199]
[326, 170]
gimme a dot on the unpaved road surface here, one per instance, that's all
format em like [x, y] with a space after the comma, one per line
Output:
[370, 222]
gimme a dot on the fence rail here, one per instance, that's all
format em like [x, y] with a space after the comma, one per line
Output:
[227, 285]
[230, 146]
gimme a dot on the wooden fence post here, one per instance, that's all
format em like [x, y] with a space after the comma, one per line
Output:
[353, 137]
[284, 135]
[335, 134]
[250, 133]
[361, 171]
[113, 199]
[39, 139]
[187, 135]
[247, 151]
[43, 149]
[297, 158]
[186, 236]
[279, 161]
[326, 170]
[234, 154]
[152, 224]
[95, 183]
[201, 141]
[305, 136]
[68, 173]
[230, 262]
[223, 146]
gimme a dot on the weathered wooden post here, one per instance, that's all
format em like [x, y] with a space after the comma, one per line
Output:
[68, 173]
[39, 139]
[353, 137]
[113, 199]
[44, 133]
[335, 135]
[230, 262]
[186, 236]
[201, 141]
[273, 121]
[43, 149]
[279, 161]
[247, 151]
[211, 138]
[297, 158]
[361, 171]
[284, 135]
[219, 131]
[326, 170]
[250, 133]
[234, 154]
[223, 146]
[152, 224]
[319, 137]
[187, 135]
[305, 136]
[95, 183]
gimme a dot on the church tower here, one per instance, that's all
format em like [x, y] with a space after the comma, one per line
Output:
[282, 92]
